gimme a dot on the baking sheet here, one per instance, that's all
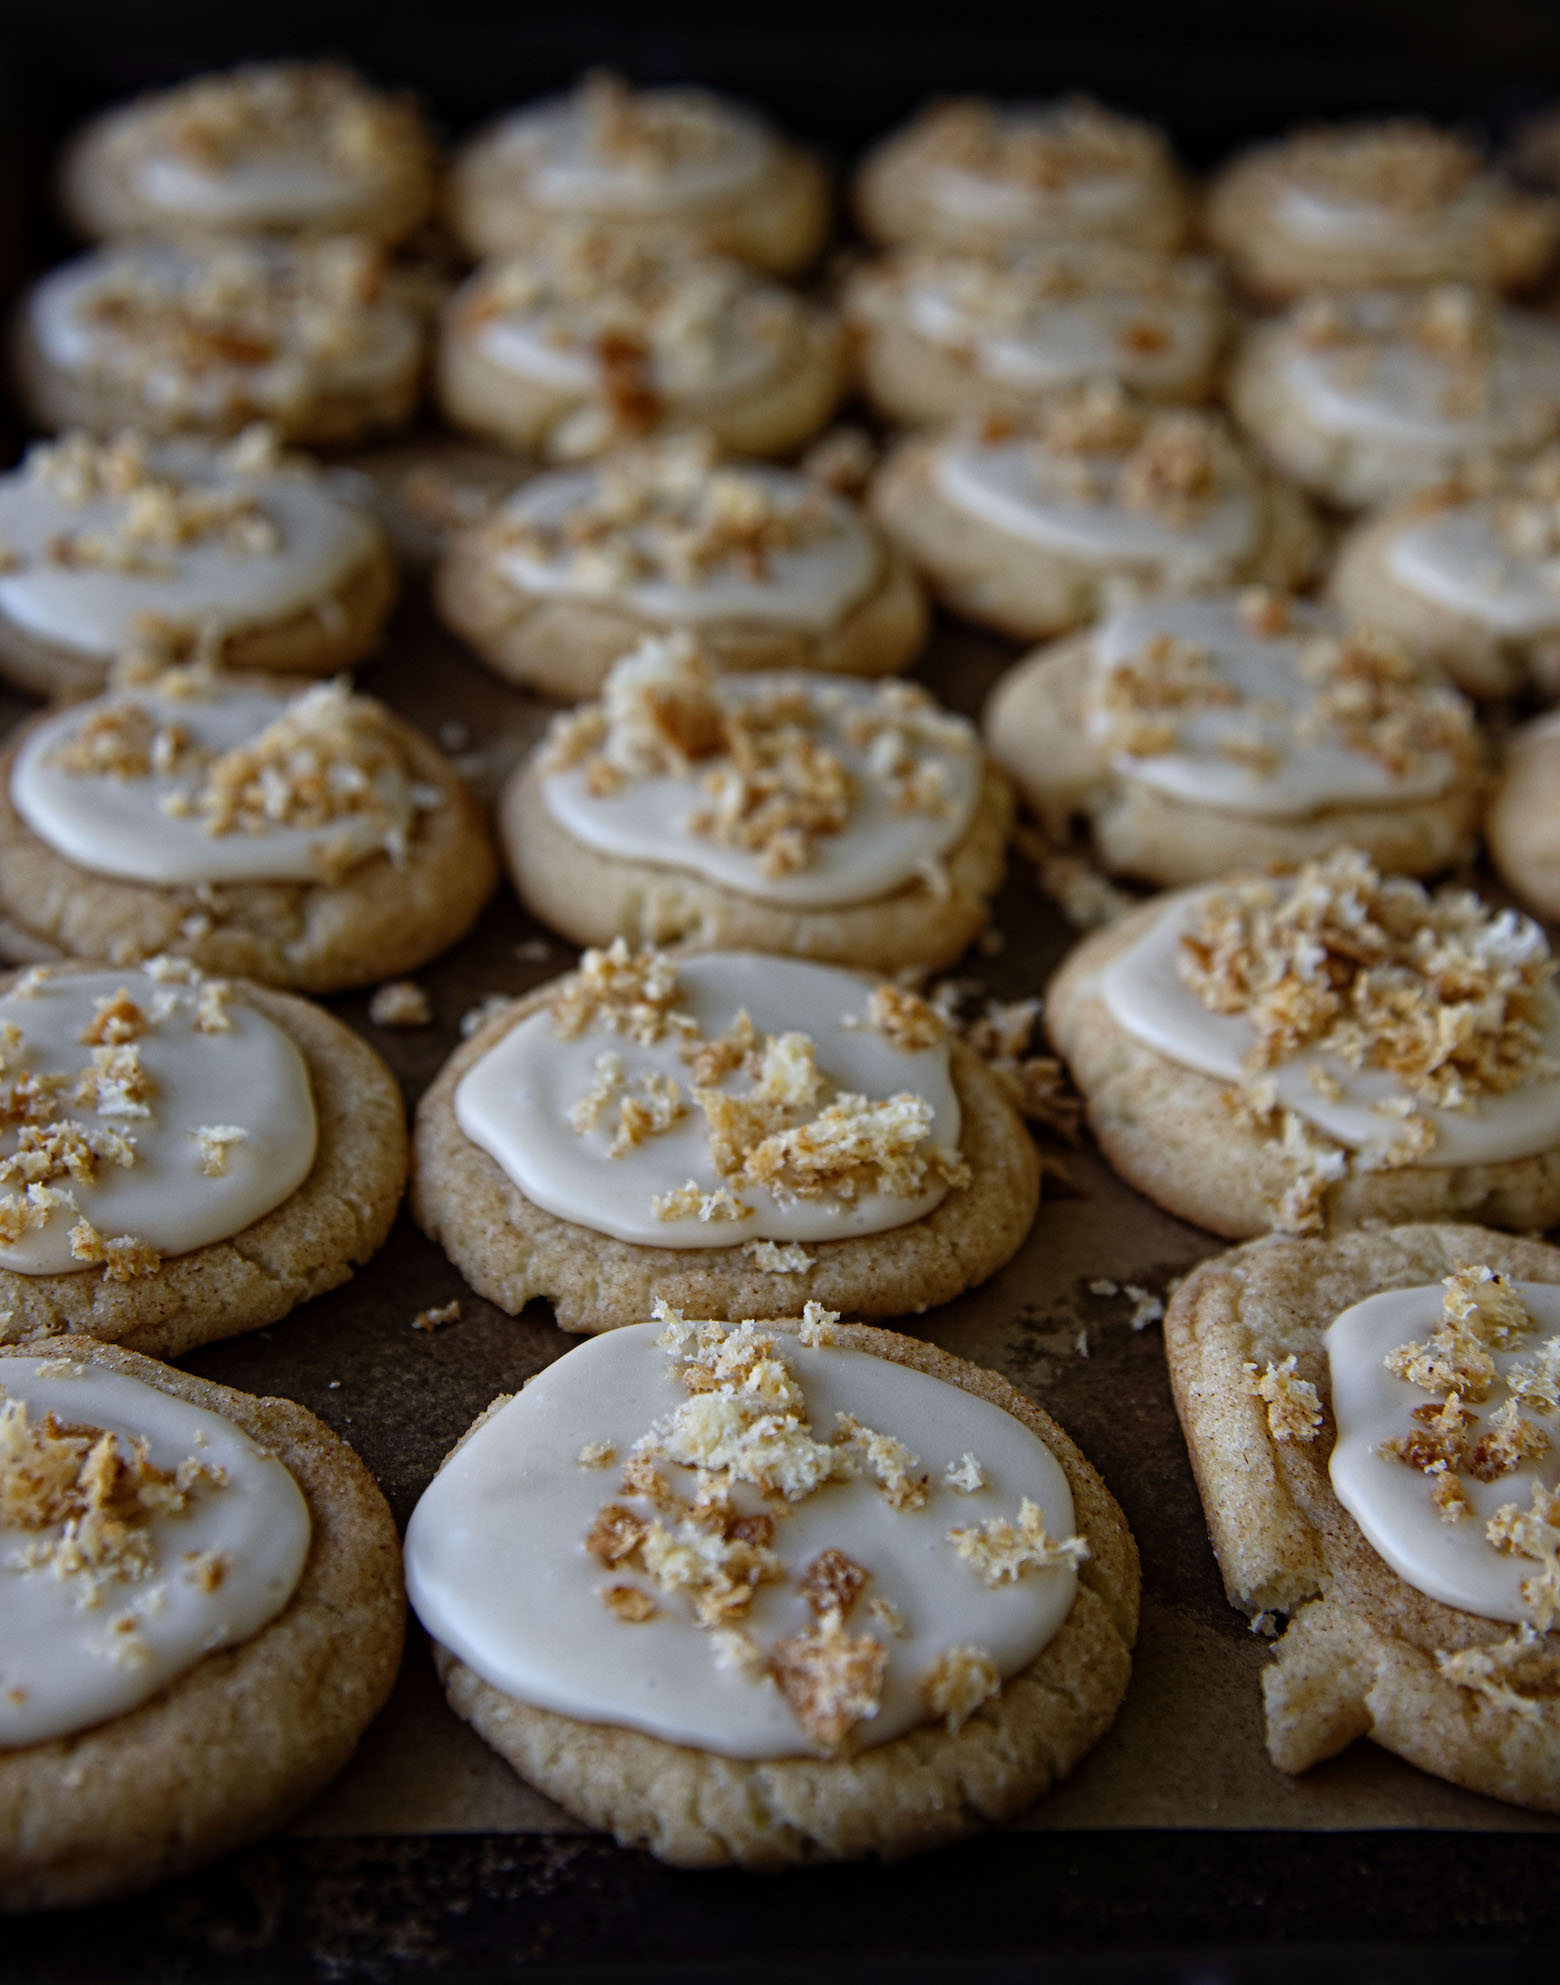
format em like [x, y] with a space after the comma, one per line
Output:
[1186, 1749]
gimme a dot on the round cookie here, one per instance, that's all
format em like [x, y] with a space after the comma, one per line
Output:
[1522, 827]
[257, 561]
[946, 331]
[591, 338]
[1366, 397]
[675, 165]
[910, 1236]
[1033, 528]
[323, 338]
[246, 1734]
[971, 171]
[1464, 574]
[186, 1275]
[1356, 205]
[1432, 998]
[314, 841]
[769, 568]
[1366, 1652]
[823, 818]
[272, 148]
[1195, 737]
[822, 1767]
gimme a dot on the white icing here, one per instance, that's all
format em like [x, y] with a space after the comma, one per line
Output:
[1332, 220]
[1390, 1501]
[259, 191]
[1460, 559]
[1019, 488]
[807, 586]
[58, 317]
[497, 1571]
[877, 851]
[564, 172]
[94, 610]
[1066, 340]
[1309, 776]
[58, 1673]
[251, 1079]
[514, 1103]
[122, 827]
[1145, 995]
[1406, 393]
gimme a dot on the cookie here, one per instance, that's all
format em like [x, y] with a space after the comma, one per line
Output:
[813, 815]
[975, 172]
[1409, 1536]
[195, 1632]
[863, 1160]
[1365, 398]
[1356, 205]
[426, 490]
[257, 560]
[767, 566]
[1035, 527]
[314, 841]
[857, 1652]
[948, 330]
[1195, 737]
[1328, 1049]
[1463, 573]
[287, 148]
[592, 338]
[1522, 827]
[675, 165]
[190, 1158]
[323, 338]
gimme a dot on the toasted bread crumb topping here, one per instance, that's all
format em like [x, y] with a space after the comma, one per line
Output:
[957, 1683]
[1402, 163]
[1077, 139]
[316, 109]
[1294, 1412]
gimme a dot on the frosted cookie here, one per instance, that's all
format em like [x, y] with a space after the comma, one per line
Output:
[732, 1130]
[1198, 736]
[1328, 1048]
[1523, 824]
[309, 840]
[971, 171]
[1372, 1420]
[774, 1633]
[674, 165]
[425, 490]
[824, 817]
[1035, 526]
[201, 1614]
[322, 338]
[1467, 573]
[1367, 397]
[1351, 205]
[236, 551]
[948, 330]
[594, 337]
[184, 1158]
[769, 568]
[272, 148]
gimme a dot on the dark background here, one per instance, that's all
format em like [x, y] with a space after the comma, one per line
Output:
[1198, 1909]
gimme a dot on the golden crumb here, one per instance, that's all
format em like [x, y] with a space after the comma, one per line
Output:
[596, 1454]
[885, 1614]
[634, 993]
[122, 1259]
[117, 1019]
[1294, 1412]
[897, 1472]
[965, 1476]
[957, 1683]
[817, 1327]
[436, 1318]
[206, 1570]
[1000, 1552]
[629, 1603]
[216, 1142]
[833, 1680]
[400, 1003]
[1533, 1533]
[831, 1583]
[904, 1019]
[779, 1258]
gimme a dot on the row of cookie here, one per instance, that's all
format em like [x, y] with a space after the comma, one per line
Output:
[297, 148]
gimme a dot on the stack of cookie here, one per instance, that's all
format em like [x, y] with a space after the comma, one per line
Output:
[813, 1588]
